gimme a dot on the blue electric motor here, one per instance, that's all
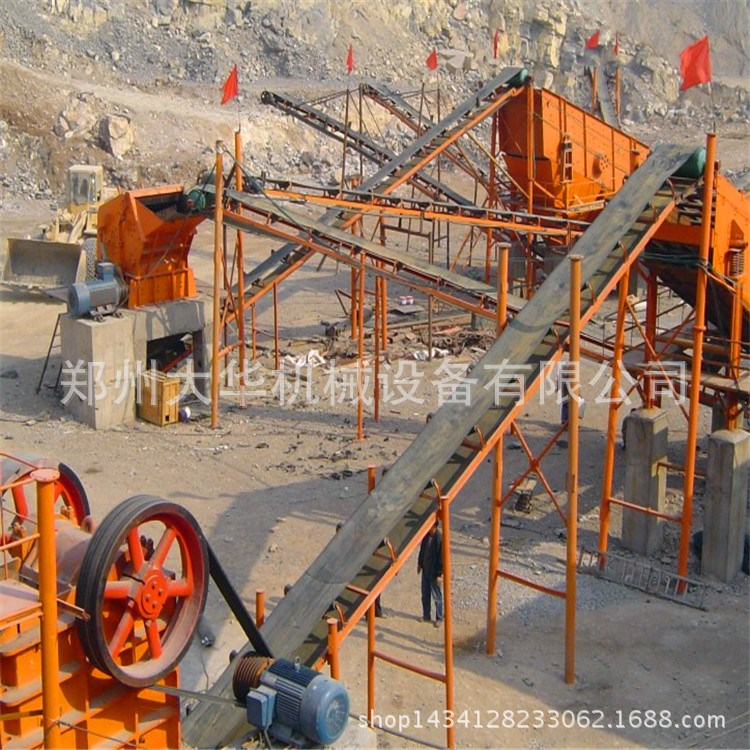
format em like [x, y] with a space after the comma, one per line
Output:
[295, 704]
[99, 296]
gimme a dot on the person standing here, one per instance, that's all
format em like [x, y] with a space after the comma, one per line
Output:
[430, 566]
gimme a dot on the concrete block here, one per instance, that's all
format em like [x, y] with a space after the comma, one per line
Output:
[105, 357]
[645, 481]
[725, 503]
[98, 377]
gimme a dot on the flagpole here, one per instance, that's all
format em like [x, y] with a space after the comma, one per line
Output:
[713, 107]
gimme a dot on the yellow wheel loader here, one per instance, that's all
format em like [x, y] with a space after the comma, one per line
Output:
[65, 251]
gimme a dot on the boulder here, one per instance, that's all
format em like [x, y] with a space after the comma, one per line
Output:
[116, 135]
[76, 119]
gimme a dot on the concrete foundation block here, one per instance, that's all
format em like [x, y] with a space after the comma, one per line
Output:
[725, 503]
[98, 376]
[106, 357]
[645, 481]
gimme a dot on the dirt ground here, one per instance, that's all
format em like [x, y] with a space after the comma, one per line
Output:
[269, 486]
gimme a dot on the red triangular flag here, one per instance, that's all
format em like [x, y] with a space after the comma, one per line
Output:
[593, 41]
[231, 86]
[695, 64]
[350, 59]
[617, 44]
[431, 60]
[495, 43]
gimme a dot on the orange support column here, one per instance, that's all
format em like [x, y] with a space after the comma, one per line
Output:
[370, 663]
[353, 302]
[494, 563]
[216, 323]
[652, 305]
[491, 197]
[276, 353]
[252, 333]
[450, 732]
[384, 297]
[361, 352]
[530, 162]
[46, 479]
[376, 349]
[260, 606]
[240, 275]
[333, 647]
[572, 478]
[614, 395]
[497, 467]
[699, 327]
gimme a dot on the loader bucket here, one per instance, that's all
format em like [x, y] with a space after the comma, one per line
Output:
[38, 265]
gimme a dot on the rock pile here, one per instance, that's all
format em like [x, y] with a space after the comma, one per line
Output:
[185, 48]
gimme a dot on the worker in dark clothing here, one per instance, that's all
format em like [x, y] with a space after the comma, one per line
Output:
[430, 566]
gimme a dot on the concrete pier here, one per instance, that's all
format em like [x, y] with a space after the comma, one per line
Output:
[725, 503]
[645, 480]
[105, 356]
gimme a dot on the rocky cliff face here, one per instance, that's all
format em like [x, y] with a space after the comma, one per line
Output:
[186, 47]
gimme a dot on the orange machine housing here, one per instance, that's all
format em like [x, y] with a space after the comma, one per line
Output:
[96, 710]
[568, 159]
[144, 234]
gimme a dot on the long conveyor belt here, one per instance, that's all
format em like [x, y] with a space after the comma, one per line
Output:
[392, 171]
[357, 141]
[446, 450]
[406, 265]
[417, 121]
[603, 98]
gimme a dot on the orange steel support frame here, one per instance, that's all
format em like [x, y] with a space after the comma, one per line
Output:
[45, 479]
[488, 446]
[724, 225]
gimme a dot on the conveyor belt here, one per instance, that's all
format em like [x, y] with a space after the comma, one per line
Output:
[357, 141]
[384, 179]
[406, 265]
[677, 268]
[604, 100]
[417, 121]
[403, 500]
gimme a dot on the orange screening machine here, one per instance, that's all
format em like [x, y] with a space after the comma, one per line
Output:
[563, 158]
[147, 235]
[563, 161]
